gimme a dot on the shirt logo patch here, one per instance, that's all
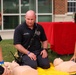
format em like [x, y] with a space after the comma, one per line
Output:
[26, 33]
[37, 33]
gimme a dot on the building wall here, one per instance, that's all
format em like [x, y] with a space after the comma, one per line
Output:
[59, 15]
[60, 11]
[60, 7]
[13, 13]
[7, 34]
[63, 18]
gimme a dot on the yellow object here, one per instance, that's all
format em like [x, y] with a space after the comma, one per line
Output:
[51, 71]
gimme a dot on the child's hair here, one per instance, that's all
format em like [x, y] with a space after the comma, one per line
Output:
[75, 17]
[1, 70]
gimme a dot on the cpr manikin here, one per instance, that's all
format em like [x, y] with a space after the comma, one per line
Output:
[15, 69]
[65, 66]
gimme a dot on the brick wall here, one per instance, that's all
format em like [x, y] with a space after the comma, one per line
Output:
[60, 6]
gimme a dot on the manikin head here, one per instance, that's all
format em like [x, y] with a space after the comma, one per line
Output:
[12, 65]
[57, 61]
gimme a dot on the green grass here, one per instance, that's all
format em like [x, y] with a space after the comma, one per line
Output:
[7, 46]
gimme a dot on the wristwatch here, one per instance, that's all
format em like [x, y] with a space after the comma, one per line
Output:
[45, 49]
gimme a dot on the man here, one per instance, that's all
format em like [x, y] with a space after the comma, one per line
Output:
[33, 54]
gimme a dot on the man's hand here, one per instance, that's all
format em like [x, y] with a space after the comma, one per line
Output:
[44, 53]
[32, 56]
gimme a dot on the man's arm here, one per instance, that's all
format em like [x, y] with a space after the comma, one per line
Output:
[1, 58]
[45, 44]
[44, 51]
[21, 49]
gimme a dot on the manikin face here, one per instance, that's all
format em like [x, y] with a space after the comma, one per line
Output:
[30, 18]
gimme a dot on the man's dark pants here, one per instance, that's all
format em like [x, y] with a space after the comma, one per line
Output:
[40, 62]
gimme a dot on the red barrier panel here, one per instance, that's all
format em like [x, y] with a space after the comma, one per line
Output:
[61, 36]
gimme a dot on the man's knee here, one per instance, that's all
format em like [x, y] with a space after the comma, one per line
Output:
[45, 65]
[33, 65]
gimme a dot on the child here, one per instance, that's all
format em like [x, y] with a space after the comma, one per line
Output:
[1, 58]
[3, 69]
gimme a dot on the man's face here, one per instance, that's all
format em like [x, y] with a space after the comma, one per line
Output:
[30, 20]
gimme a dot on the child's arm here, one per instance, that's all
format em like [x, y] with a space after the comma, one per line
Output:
[1, 57]
[74, 55]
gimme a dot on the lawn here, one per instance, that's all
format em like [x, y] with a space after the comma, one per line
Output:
[7, 46]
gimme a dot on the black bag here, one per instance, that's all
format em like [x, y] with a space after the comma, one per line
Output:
[0, 38]
[17, 59]
[1, 70]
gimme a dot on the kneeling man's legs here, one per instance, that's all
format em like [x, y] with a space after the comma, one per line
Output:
[27, 61]
[43, 62]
